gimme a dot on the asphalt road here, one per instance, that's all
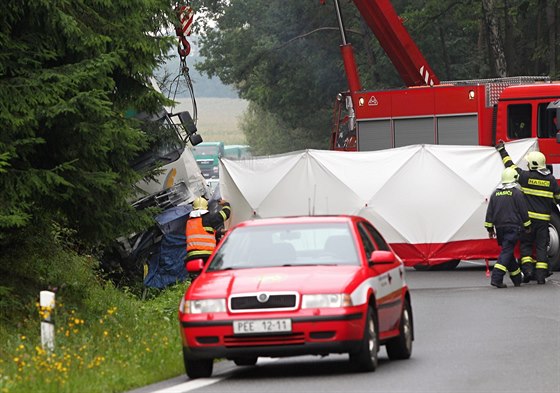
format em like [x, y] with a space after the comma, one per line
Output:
[469, 337]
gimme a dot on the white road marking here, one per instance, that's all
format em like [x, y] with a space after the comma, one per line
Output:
[191, 385]
[202, 382]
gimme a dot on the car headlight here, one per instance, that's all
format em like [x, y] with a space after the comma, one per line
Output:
[326, 300]
[203, 306]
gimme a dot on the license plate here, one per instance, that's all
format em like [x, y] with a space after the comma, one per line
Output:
[262, 326]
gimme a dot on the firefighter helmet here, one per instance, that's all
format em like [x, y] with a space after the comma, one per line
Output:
[536, 160]
[509, 175]
[200, 203]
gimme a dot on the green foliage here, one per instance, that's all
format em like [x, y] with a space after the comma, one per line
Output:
[273, 62]
[269, 135]
[105, 339]
[68, 71]
[285, 59]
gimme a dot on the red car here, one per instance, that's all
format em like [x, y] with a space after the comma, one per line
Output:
[297, 286]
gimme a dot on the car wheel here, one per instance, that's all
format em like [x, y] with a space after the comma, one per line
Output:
[401, 347]
[198, 368]
[367, 358]
[246, 361]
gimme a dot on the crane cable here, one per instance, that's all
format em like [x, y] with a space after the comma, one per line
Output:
[185, 14]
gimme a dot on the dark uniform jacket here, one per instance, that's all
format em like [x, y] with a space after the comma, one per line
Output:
[540, 188]
[507, 208]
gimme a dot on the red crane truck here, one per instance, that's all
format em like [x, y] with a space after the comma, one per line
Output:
[427, 111]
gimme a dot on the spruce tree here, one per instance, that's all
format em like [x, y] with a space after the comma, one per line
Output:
[69, 70]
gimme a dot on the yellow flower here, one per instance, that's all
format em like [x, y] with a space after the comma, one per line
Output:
[105, 333]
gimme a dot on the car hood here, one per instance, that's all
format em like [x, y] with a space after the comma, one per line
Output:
[303, 279]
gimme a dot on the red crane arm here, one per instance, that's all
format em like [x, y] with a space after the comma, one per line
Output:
[387, 26]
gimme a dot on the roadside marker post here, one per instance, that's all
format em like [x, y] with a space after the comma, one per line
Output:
[47, 304]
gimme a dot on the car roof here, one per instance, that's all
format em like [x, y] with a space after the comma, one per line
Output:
[300, 220]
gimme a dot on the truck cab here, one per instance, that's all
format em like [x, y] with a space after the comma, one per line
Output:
[530, 111]
[207, 156]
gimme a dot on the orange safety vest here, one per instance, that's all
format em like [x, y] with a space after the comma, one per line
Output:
[199, 240]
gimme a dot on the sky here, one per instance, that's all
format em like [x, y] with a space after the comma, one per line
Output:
[203, 86]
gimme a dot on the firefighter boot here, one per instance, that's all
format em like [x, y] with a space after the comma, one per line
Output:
[516, 280]
[540, 275]
[528, 271]
[497, 279]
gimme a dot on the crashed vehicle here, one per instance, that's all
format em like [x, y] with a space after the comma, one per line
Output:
[155, 255]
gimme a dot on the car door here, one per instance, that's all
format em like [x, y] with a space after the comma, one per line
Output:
[389, 278]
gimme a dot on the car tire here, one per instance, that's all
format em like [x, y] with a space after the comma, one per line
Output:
[401, 347]
[367, 357]
[246, 361]
[554, 244]
[198, 368]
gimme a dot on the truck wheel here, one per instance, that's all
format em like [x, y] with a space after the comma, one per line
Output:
[449, 265]
[367, 358]
[554, 245]
[198, 368]
[401, 347]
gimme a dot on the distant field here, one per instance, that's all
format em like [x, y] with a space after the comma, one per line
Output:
[218, 118]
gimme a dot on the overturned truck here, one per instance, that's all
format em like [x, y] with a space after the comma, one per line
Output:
[156, 254]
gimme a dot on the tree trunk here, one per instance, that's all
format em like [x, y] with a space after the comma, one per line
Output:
[445, 54]
[509, 41]
[551, 10]
[540, 63]
[494, 38]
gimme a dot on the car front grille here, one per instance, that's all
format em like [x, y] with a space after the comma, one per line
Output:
[286, 339]
[263, 301]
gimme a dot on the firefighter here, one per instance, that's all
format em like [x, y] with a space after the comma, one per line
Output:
[202, 227]
[542, 194]
[506, 217]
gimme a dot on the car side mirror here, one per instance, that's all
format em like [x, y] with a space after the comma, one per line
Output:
[187, 122]
[195, 139]
[194, 266]
[558, 137]
[382, 257]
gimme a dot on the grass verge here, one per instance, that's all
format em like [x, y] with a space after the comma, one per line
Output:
[106, 340]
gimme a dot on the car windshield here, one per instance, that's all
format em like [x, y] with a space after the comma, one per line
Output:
[164, 144]
[286, 245]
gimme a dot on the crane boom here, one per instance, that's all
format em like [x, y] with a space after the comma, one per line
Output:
[387, 26]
